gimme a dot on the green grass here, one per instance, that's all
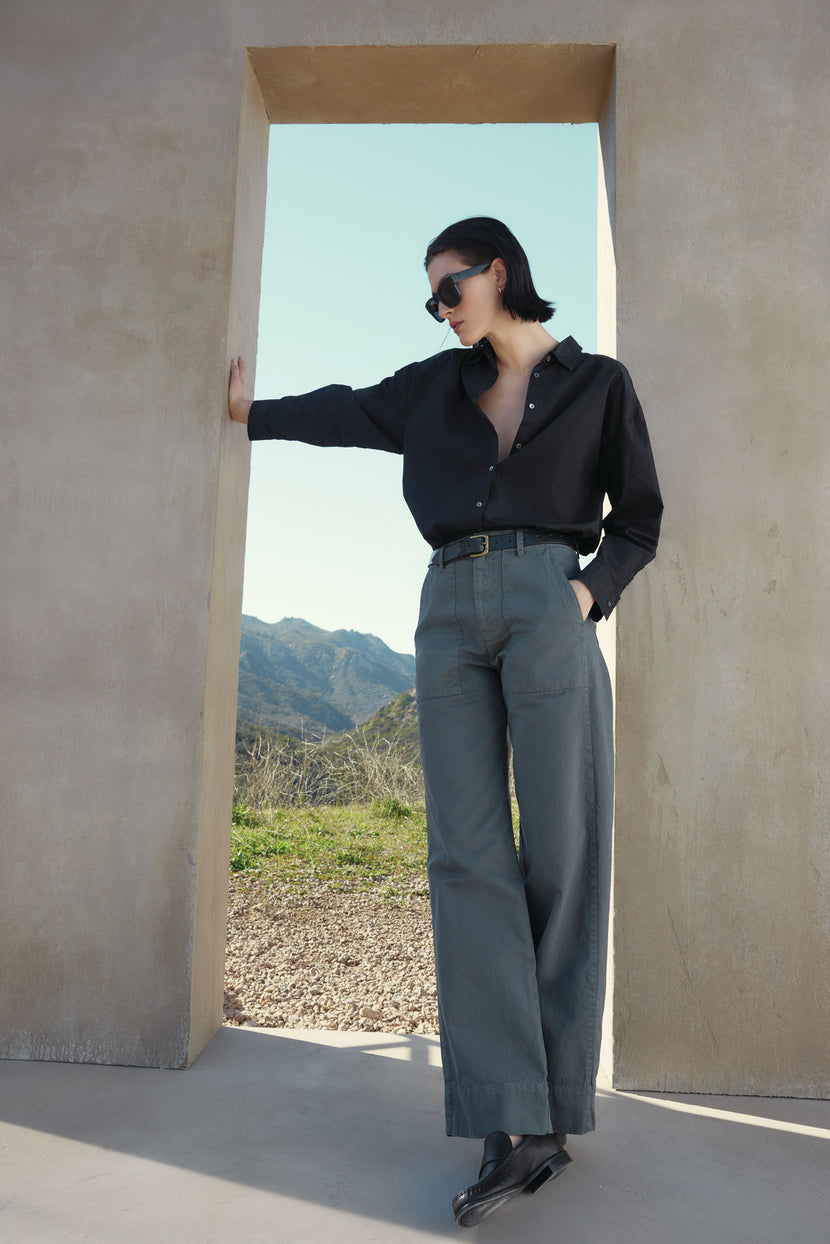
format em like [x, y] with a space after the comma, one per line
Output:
[353, 846]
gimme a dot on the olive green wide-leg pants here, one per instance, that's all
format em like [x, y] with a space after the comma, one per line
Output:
[520, 939]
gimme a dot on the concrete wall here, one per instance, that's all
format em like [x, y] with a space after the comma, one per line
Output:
[133, 142]
[124, 492]
[723, 853]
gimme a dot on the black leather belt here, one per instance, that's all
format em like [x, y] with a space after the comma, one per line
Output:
[486, 542]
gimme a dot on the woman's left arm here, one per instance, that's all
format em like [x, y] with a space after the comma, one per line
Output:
[629, 479]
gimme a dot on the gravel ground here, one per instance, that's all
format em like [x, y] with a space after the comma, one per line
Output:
[319, 958]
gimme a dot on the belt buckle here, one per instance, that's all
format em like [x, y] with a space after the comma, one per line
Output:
[486, 538]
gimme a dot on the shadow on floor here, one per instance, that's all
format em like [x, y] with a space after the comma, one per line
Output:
[303, 1136]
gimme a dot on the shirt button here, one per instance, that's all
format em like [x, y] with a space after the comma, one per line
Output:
[532, 406]
[518, 445]
[479, 504]
[491, 468]
[547, 358]
[536, 375]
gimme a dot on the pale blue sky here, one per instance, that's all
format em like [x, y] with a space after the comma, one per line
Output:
[350, 212]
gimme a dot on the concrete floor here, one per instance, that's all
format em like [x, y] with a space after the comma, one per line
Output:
[290, 1136]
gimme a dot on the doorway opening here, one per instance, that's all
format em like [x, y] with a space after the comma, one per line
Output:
[350, 210]
[474, 86]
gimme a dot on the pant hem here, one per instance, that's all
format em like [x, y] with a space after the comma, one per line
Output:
[520, 1109]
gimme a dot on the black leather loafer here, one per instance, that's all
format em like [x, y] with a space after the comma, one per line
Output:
[497, 1147]
[504, 1173]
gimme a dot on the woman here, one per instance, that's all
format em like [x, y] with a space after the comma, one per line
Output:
[510, 446]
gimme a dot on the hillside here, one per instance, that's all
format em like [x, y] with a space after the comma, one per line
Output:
[396, 720]
[295, 678]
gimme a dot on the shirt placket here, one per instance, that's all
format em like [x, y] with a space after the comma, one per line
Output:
[530, 420]
[484, 481]
[534, 405]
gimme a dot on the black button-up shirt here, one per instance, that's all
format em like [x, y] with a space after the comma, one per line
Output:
[582, 437]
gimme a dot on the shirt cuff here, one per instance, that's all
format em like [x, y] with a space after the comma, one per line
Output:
[257, 425]
[599, 584]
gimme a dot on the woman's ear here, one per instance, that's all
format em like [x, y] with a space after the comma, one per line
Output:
[499, 272]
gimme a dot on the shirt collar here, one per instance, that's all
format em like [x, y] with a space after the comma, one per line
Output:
[567, 352]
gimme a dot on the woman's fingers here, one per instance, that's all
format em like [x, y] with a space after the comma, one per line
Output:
[238, 401]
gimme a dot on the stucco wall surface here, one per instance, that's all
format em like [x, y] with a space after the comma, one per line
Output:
[120, 132]
[133, 141]
[723, 853]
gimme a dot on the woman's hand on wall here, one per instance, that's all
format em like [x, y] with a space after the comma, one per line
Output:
[238, 401]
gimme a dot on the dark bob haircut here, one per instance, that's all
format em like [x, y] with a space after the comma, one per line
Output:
[482, 239]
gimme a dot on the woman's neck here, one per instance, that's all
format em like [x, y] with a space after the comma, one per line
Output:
[518, 344]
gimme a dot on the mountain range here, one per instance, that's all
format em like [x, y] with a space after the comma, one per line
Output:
[295, 678]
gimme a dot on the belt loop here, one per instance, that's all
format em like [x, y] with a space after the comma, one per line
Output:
[439, 557]
[520, 542]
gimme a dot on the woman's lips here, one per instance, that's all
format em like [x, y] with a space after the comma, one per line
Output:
[455, 325]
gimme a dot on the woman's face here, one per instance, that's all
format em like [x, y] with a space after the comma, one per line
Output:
[480, 301]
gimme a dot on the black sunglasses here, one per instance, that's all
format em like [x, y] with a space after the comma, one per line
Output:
[448, 291]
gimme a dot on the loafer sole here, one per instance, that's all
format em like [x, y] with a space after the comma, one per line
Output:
[476, 1211]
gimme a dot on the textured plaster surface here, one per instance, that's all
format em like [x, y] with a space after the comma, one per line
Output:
[128, 165]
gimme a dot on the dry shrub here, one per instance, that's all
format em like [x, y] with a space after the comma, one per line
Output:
[355, 768]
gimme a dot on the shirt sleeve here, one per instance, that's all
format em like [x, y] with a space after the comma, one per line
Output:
[632, 526]
[371, 418]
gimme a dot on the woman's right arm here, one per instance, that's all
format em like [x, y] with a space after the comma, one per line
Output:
[239, 404]
[368, 418]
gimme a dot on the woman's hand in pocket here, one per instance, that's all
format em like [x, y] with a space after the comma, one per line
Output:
[586, 600]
